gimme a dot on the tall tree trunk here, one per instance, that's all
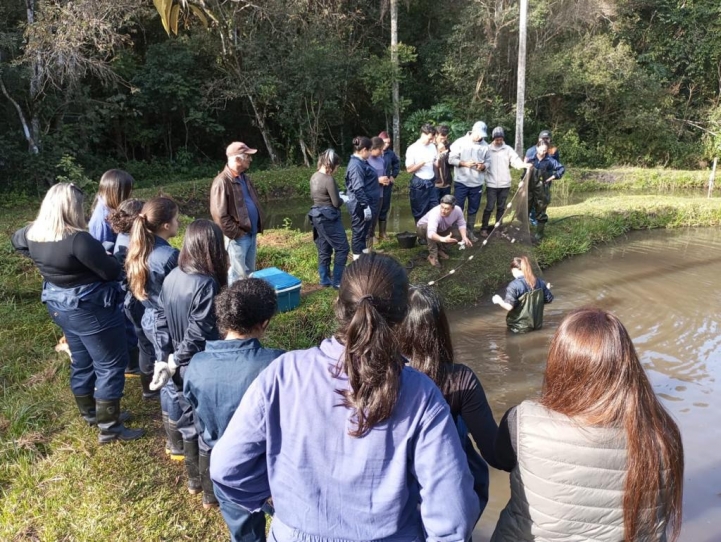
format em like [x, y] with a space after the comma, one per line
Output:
[260, 121]
[396, 68]
[35, 85]
[521, 83]
[27, 130]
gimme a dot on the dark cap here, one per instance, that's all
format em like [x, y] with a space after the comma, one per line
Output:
[237, 147]
[498, 132]
[545, 134]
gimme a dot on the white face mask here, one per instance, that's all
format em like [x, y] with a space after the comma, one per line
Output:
[517, 273]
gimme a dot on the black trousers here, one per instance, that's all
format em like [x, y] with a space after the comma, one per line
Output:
[495, 197]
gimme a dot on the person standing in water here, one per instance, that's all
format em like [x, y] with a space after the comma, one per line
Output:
[525, 297]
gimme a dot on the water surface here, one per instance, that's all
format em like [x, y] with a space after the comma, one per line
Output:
[665, 286]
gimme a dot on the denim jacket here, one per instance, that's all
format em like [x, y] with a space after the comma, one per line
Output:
[162, 260]
[216, 380]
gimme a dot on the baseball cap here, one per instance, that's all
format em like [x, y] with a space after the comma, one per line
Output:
[239, 148]
[480, 128]
[545, 134]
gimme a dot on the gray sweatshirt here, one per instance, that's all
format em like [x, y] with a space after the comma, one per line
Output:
[464, 149]
[498, 175]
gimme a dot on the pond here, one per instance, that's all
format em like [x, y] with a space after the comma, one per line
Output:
[665, 288]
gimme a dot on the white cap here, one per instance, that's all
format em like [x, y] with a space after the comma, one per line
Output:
[480, 128]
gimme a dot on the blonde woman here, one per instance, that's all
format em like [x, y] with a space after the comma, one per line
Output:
[82, 295]
[525, 297]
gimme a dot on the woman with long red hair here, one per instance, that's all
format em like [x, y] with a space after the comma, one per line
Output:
[597, 457]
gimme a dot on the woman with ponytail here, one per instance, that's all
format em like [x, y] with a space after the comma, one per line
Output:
[328, 231]
[525, 297]
[83, 296]
[361, 182]
[596, 457]
[149, 260]
[350, 442]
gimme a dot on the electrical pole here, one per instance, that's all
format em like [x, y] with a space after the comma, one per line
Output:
[521, 78]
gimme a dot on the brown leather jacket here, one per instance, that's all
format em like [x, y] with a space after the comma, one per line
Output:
[227, 206]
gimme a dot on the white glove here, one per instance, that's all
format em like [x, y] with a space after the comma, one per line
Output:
[344, 198]
[497, 299]
[163, 372]
[461, 246]
[367, 214]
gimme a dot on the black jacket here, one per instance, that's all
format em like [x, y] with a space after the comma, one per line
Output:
[186, 318]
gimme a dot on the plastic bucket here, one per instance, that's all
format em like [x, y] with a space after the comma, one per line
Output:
[406, 239]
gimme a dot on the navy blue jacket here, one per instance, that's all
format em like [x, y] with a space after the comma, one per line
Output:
[162, 260]
[548, 167]
[216, 380]
[519, 286]
[392, 162]
[361, 182]
[186, 316]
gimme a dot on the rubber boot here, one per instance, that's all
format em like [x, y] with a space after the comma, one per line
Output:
[382, 225]
[539, 232]
[86, 405]
[337, 275]
[111, 428]
[192, 467]
[173, 439]
[148, 394]
[324, 274]
[470, 223]
[133, 368]
[209, 500]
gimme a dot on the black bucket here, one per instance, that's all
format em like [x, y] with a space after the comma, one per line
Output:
[406, 239]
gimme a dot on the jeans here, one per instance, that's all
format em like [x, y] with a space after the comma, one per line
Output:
[495, 197]
[422, 195]
[329, 235]
[94, 327]
[473, 194]
[242, 253]
[386, 202]
[244, 526]
[439, 193]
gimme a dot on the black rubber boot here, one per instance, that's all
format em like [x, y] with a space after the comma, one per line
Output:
[174, 442]
[111, 428]
[133, 368]
[470, 223]
[86, 405]
[148, 394]
[192, 466]
[382, 225]
[209, 500]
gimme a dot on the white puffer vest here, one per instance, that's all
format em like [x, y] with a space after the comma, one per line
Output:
[568, 484]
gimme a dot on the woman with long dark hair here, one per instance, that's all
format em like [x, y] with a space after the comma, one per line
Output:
[361, 183]
[114, 188]
[328, 231]
[185, 321]
[525, 297]
[596, 456]
[351, 443]
[82, 295]
[425, 340]
[150, 259]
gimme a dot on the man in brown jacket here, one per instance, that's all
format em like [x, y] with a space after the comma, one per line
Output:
[235, 208]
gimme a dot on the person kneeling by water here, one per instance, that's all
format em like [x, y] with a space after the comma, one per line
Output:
[442, 225]
[525, 297]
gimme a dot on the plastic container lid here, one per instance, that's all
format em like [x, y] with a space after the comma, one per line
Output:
[277, 278]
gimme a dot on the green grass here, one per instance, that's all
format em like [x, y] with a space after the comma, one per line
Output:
[57, 483]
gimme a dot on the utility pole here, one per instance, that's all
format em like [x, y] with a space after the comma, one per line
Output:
[396, 74]
[521, 78]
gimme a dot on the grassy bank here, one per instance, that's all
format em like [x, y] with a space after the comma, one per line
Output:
[58, 484]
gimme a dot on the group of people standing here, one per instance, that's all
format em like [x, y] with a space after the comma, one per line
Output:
[369, 435]
[443, 173]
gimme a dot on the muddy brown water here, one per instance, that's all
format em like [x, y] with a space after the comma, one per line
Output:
[665, 286]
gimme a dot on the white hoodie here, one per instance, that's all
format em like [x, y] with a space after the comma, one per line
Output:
[497, 173]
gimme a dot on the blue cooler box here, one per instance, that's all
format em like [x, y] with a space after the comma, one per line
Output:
[287, 287]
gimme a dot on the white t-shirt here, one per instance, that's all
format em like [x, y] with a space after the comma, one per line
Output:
[418, 153]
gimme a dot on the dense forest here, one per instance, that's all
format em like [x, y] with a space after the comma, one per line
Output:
[90, 84]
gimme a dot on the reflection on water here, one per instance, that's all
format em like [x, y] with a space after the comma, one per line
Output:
[665, 287]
